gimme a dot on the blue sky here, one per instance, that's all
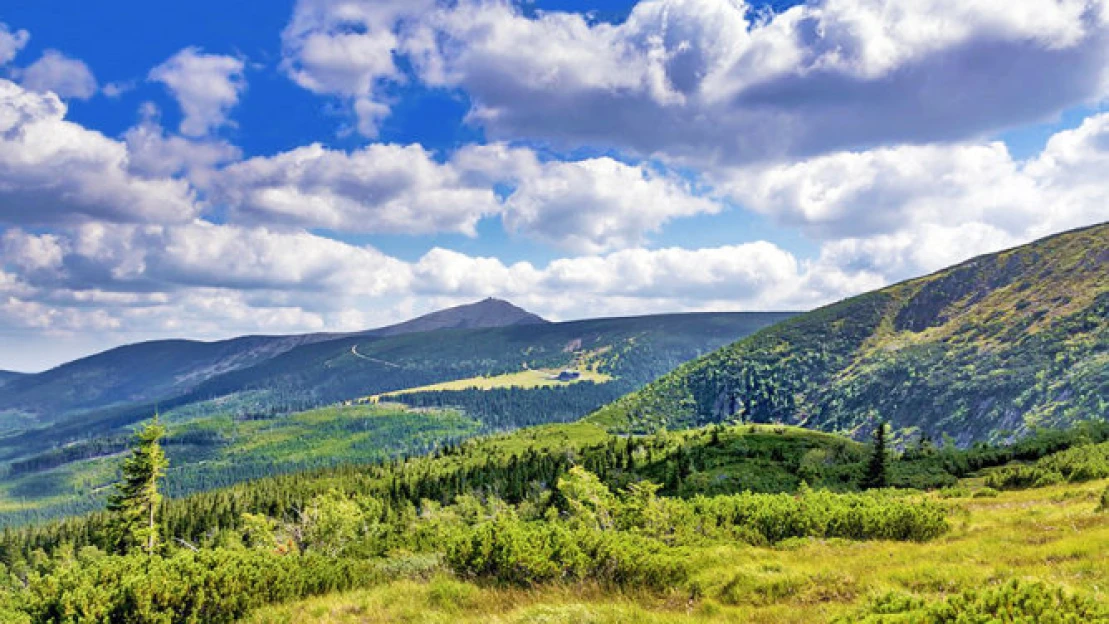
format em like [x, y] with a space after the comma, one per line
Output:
[210, 169]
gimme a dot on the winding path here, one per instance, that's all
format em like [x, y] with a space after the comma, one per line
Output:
[355, 353]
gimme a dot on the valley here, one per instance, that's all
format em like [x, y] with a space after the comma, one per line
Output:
[457, 380]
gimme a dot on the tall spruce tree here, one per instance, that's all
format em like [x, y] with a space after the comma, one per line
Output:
[877, 468]
[135, 503]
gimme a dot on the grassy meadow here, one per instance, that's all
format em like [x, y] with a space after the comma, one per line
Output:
[526, 379]
[1053, 535]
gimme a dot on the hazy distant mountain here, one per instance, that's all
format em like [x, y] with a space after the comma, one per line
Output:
[487, 313]
[150, 371]
[6, 376]
[998, 344]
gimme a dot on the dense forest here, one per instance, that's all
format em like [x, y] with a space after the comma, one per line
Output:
[981, 351]
[278, 416]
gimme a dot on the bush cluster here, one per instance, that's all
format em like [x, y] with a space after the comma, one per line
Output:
[210, 585]
[1081, 463]
[1016, 602]
[635, 539]
[527, 553]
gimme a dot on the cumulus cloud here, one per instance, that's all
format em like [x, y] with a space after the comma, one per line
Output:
[153, 153]
[11, 43]
[57, 73]
[588, 205]
[206, 86]
[715, 80]
[598, 204]
[379, 188]
[158, 258]
[905, 210]
[141, 260]
[56, 171]
[347, 49]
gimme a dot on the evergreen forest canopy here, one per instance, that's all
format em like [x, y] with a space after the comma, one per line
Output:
[251, 422]
[986, 350]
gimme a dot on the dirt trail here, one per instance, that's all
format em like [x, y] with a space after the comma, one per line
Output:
[355, 353]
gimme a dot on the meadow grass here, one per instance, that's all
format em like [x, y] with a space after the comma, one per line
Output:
[539, 378]
[1053, 534]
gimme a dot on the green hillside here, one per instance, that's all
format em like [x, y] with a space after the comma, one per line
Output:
[565, 523]
[225, 429]
[167, 370]
[222, 450]
[980, 351]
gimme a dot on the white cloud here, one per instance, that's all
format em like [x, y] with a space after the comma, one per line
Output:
[379, 188]
[57, 73]
[207, 87]
[116, 89]
[32, 254]
[345, 48]
[598, 204]
[589, 205]
[714, 80]
[294, 265]
[152, 153]
[11, 43]
[55, 171]
[907, 210]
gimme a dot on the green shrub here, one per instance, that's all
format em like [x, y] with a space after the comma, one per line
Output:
[205, 586]
[1075, 465]
[528, 553]
[869, 515]
[954, 492]
[986, 492]
[1016, 602]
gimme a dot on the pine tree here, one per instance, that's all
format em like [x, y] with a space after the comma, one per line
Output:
[135, 503]
[876, 470]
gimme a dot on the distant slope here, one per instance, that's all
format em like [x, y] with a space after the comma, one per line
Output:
[237, 426]
[998, 344]
[635, 350]
[140, 372]
[6, 376]
[151, 371]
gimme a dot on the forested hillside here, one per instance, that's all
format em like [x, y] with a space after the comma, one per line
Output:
[165, 370]
[565, 523]
[991, 347]
[268, 418]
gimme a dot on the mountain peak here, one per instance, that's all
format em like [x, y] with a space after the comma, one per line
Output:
[489, 312]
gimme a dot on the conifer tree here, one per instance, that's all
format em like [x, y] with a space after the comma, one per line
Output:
[876, 470]
[135, 503]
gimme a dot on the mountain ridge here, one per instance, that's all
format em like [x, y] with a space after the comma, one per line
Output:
[982, 350]
[173, 366]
